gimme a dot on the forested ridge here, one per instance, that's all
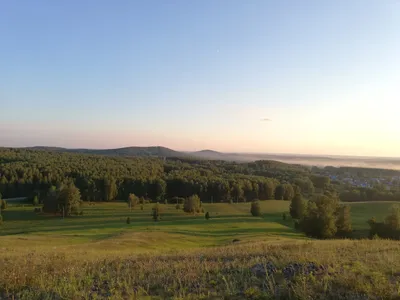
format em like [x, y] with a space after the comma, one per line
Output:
[25, 172]
[30, 172]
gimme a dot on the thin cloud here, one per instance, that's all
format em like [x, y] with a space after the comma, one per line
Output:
[266, 120]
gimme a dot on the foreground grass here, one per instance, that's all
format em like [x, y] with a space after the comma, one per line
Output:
[99, 256]
[360, 269]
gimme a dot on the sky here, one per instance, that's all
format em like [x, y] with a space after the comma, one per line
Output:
[202, 74]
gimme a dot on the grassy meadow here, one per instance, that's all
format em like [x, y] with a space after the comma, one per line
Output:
[99, 256]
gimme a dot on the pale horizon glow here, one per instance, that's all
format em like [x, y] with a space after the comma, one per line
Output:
[202, 75]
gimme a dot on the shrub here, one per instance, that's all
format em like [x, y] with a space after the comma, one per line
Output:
[231, 201]
[128, 220]
[156, 212]
[132, 201]
[255, 209]
[1, 219]
[141, 207]
[284, 216]
[192, 204]
[37, 209]
[178, 206]
[207, 216]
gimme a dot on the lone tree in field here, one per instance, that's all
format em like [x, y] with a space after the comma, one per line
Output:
[255, 208]
[69, 200]
[297, 207]
[192, 204]
[320, 219]
[156, 212]
[343, 221]
[132, 201]
[207, 216]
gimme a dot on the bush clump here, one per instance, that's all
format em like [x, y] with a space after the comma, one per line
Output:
[128, 220]
[192, 204]
[156, 212]
[207, 216]
[255, 209]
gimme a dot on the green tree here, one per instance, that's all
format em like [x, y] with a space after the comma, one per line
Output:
[288, 193]
[255, 208]
[192, 204]
[392, 221]
[320, 218]
[306, 185]
[297, 207]
[132, 200]
[110, 189]
[279, 192]
[69, 200]
[343, 221]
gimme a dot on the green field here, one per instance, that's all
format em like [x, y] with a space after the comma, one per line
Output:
[47, 257]
[104, 222]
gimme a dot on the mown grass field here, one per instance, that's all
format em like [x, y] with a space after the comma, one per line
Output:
[185, 256]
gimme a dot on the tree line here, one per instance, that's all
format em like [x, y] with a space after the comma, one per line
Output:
[29, 173]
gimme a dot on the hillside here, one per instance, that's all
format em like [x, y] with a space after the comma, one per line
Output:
[157, 151]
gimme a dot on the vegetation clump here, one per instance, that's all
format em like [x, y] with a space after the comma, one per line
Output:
[323, 217]
[297, 207]
[133, 200]
[192, 204]
[3, 204]
[65, 200]
[390, 228]
[255, 208]
[156, 213]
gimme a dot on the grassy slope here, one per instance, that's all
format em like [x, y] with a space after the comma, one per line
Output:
[107, 221]
[67, 257]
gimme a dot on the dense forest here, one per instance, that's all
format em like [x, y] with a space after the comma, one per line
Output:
[27, 172]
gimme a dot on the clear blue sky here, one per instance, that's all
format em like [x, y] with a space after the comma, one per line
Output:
[202, 74]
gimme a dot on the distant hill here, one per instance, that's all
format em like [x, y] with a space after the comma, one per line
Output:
[209, 154]
[156, 151]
